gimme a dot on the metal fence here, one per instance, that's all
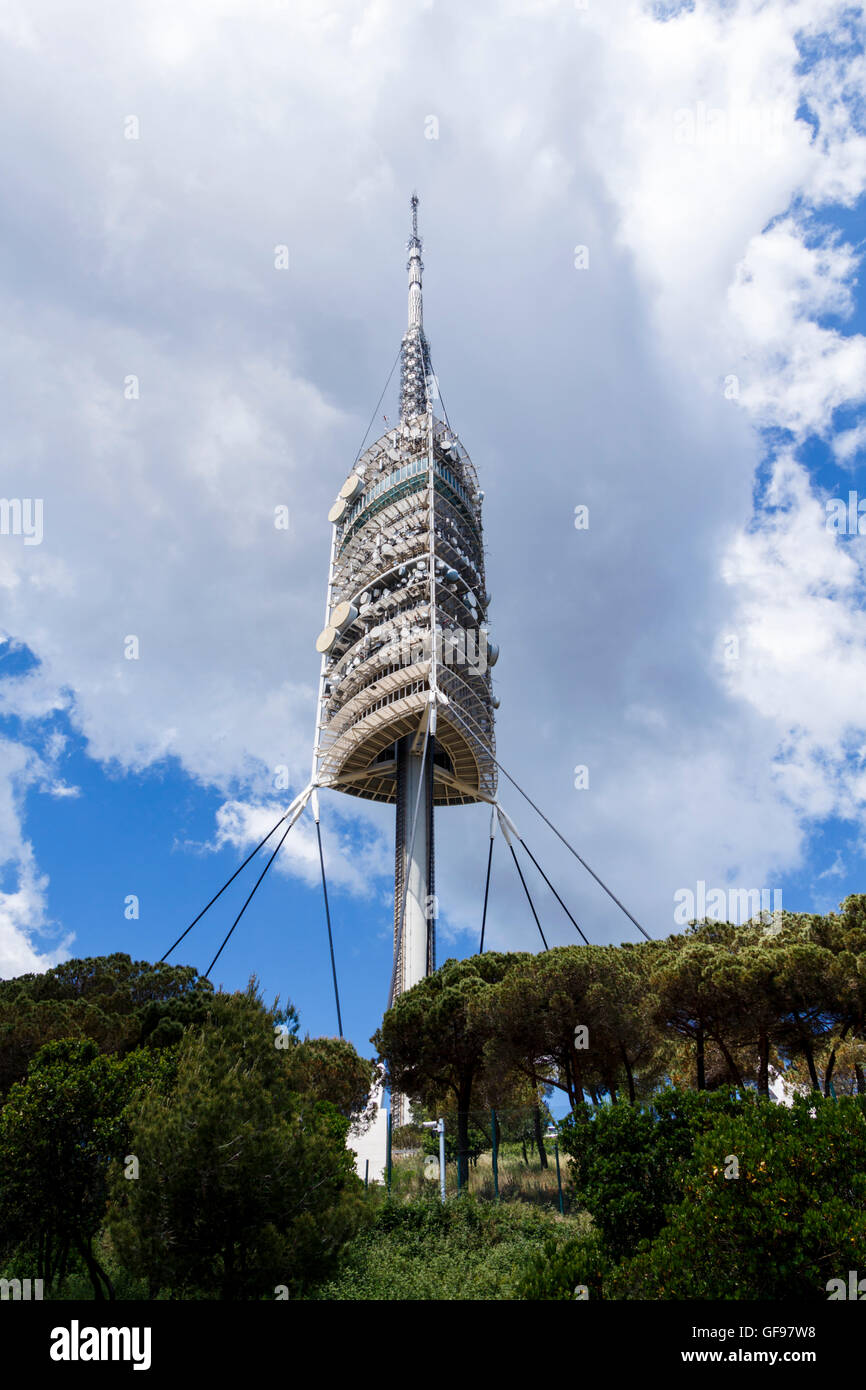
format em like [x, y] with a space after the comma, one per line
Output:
[508, 1155]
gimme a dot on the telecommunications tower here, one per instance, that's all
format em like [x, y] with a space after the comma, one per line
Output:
[406, 707]
[405, 711]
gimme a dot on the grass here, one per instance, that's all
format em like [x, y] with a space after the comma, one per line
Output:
[518, 1181]
[467, 1249]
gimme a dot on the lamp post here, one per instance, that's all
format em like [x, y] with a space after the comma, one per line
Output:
[553, 1133]
[439, 1125]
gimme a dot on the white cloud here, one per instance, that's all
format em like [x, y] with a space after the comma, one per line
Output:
[849, 443]
[24, 915]
[351, 863]
[799, 594]
[796, 372]
[62, 789]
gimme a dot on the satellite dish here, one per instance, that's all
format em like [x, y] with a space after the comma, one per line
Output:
[351, 487]
[338, 510]
[343, 615]
[326, 639]
[494, 702]
[492, 653]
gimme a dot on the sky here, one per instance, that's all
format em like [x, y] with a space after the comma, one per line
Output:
[643, 236]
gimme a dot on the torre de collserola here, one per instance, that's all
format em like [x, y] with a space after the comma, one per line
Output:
[406, 705]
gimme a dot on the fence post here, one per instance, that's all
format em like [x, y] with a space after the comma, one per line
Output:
[441, 1127]
[495, 1156]
[367, 1173]
[388, 1164]
[558, 1175]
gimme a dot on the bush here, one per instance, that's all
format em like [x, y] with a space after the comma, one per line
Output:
[628, 1162]
[793, 1219]
[244, 1184]
[463, 1249]
[564, 1270]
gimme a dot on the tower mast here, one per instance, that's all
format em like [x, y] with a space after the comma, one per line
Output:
[414, 867]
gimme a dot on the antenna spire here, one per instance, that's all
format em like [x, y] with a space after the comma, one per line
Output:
[414, 267]
[415, 355]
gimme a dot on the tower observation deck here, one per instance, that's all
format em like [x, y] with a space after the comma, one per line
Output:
[406, 705]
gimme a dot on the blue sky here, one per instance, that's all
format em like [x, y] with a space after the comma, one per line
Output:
[699, 385]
